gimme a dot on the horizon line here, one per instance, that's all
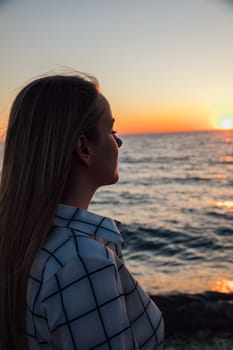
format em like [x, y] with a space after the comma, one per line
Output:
[174, 132]
[166, 132]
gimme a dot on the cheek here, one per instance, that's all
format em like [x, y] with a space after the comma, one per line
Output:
[115, 150]
[111, 150]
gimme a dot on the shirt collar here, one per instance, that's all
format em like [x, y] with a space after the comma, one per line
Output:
[88, 223]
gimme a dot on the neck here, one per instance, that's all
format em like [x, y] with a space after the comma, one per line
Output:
[78, 190]
[82, 204]
[77, 197]
[80, 187]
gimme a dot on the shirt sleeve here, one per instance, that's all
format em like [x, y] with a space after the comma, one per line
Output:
[84, 307]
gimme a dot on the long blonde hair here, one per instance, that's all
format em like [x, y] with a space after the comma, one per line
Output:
[45, 120]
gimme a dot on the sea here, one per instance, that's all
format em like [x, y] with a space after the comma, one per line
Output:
[174, 199]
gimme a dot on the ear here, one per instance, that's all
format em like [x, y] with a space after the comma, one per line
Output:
[83, 150]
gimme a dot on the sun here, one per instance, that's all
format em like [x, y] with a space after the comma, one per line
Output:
[224, 122]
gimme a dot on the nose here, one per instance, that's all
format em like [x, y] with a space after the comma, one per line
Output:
[118, 140]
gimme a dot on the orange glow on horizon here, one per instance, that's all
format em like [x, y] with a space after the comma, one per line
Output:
[223, 286]
[137, 119]
[162, 121]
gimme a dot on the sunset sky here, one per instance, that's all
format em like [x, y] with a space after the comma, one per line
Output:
[164, 65]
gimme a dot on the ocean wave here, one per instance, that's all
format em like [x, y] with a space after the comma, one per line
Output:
[155, 159]
[224, 231]
[176, 246]
[225, 215]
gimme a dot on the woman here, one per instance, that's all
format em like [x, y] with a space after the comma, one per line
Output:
[64, 284]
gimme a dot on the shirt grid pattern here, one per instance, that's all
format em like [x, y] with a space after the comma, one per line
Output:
[79, 284]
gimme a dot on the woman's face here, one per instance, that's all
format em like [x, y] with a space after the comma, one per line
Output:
[105, 147]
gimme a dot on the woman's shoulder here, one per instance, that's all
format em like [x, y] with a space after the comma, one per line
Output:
[65, 246]
[67, 257]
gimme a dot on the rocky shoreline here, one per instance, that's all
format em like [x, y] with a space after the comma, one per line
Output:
[200, 321]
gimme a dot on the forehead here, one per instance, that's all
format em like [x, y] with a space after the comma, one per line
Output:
[104, 109]
[103, 103]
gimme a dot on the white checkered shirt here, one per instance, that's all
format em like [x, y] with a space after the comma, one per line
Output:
[81, 295]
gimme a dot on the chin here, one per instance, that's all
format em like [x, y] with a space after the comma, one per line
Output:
[116, 179]
[111, 181]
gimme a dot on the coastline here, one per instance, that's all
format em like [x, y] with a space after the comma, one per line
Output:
[202, 340]
[197, 321]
